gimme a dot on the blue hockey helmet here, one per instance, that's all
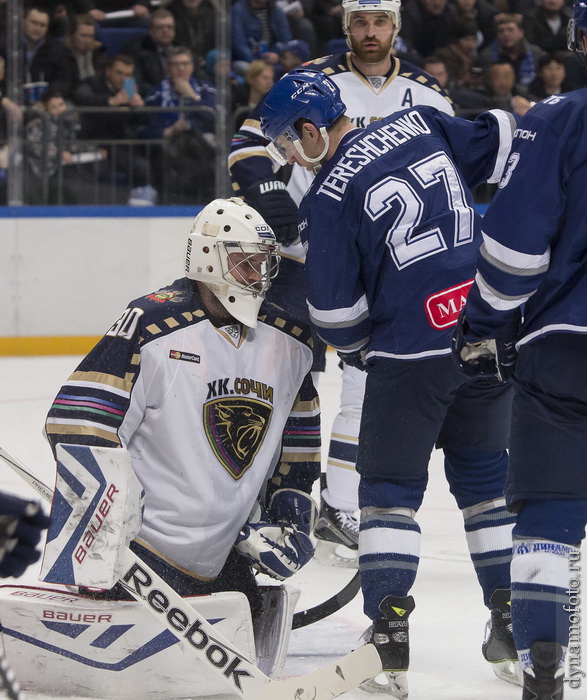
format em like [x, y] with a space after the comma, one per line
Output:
[576, 28]
[301, 94]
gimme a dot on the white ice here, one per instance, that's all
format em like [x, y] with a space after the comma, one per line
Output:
[446, 629]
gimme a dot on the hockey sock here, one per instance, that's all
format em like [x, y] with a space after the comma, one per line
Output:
[488, 527]
[541, 593]
[343, 480]
[389, 553]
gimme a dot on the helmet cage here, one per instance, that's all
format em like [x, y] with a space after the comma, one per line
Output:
[235, 272]
[228, 241]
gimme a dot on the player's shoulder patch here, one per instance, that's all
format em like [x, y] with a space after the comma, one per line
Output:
[330, 65]
[273, 315]
[168, 309]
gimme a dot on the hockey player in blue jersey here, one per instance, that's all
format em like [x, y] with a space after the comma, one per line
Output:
[534, 256]
[391, 238]
[374, 82]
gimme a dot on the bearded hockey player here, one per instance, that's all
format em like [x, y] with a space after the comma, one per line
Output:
[373, 84]
[203, 393]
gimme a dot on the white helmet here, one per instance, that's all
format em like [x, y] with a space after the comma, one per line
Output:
[392, 7]
[223, 228]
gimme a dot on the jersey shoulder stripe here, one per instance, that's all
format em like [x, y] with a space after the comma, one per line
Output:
[331, 65]
[167, 310]
[273, 315]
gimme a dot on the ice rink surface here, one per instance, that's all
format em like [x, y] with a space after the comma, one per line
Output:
[446, 629]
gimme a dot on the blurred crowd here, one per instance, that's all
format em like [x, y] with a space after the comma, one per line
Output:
[485, 53]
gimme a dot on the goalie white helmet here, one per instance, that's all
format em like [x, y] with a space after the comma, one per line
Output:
[392, 7]
[233, 251]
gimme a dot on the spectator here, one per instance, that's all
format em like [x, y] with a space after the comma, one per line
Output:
[89, 56]
[302, 28]
[551, 77]
[503, 92]
[259, 78]
[219, 65]
[482, 13]
[150, 52]
[189, 135]
[181, 89]
[107, 89]
[427, 24]
[194, 24]
[437, 68]
[546, 25]
[510, 45]
[461, 52]
[10, 109]
[46, 60]
[291, 55]
[49, 143]
[327, 19]
[256, 26]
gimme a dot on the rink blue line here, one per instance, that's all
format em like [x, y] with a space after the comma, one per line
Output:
[98, 212]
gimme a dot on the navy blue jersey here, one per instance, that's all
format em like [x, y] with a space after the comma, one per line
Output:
[391, 232]
[534, 250]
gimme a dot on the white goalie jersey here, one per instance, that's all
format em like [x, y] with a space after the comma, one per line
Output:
[208, 415]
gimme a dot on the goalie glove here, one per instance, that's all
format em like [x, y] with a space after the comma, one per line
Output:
[278, 543]
[492, 357]
[21, 526]
[272, 200]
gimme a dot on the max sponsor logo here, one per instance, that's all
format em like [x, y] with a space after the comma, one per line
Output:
[185, 356]
[184, 620]
[96, 523]
[443, 308]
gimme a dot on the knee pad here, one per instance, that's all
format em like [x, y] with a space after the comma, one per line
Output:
[558, 520]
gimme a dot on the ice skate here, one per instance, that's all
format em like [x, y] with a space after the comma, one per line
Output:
[544, 679]
[498, 646]
[337, 535]
[390, 634]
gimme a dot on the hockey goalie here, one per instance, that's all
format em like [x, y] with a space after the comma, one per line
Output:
[191, 434]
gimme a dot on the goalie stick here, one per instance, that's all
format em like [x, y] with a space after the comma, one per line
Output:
[199, 636]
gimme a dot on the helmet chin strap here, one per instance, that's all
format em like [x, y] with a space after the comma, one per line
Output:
[316, 164]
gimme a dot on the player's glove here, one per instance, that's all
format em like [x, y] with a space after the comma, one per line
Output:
[278, 544]
[493, 357]
[21, 525]
[354, 359]
[272, 200]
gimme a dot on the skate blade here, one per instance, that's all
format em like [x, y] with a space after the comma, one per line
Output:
[509, 671]
[394, 685]
[333, 554]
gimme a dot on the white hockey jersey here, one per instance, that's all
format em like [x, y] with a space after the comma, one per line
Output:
[208, 415]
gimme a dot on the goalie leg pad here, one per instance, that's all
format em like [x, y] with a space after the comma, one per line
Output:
[59, 643]
[96, 511]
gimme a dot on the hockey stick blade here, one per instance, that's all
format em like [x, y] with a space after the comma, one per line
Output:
[328, 607]
[198, 635]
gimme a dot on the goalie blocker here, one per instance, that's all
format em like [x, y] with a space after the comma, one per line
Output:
[64, 643]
